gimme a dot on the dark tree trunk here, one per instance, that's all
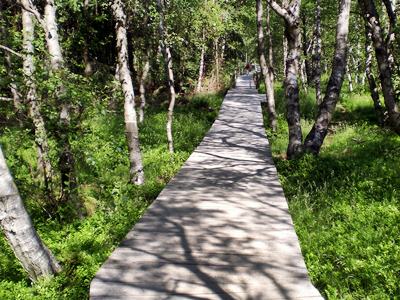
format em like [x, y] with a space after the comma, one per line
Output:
[315, 138]
[371, 18]
[370, 77]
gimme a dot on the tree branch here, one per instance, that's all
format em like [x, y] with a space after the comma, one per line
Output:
[30, 7]
[11, 51]
[281, 11]
[5, 99]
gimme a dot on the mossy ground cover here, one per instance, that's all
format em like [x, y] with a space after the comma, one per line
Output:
[113, 204]
[345, 203]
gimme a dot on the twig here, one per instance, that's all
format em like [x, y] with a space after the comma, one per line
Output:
[11, 51]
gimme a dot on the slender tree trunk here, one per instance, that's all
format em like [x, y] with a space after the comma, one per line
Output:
[269, 84]
[18, 229]
[201, 65]
[349, 78]
[124, 76]
[217, 63]
[307, 71]
[142, 86]
[371, 79]
[291, 16]
[315, 138]
[170, 73]
[292, 34]
[390, 6]
[88, 71]
[270, 45]
[371, 18]
[41, 138]
[66, 159]
[317, 54]
[9, 68]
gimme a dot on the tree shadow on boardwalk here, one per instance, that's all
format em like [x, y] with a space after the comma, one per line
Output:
[219, 230]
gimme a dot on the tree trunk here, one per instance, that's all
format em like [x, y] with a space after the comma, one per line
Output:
[270, 45]
[291, 16]
[170, 73]
[18, 229]
[217, 63]
[349, 78]
[371, 18]
[41, 139]
[124, 76]
[9, 68]
[307, 71]
[370, 76]
[317, 53]
[66, 160]
[269, 85]
[201, 65]
[292, 34]
[142, 86]
[315, 138]
[89, 70]
[52, 39]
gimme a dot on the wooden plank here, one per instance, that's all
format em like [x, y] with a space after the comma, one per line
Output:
[221, 229]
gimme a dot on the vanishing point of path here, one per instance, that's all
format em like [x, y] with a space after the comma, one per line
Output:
[220, 229]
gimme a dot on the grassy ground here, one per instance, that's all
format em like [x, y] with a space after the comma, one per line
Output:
[346, 202]
[114, 205]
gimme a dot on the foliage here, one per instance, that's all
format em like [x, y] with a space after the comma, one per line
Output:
[345, 202]
[113, 204]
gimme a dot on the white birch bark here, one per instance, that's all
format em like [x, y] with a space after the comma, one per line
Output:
[170, 72]
[142, 86]
[316, 136]
[201, 70]
[265, 70]
[124, 76]
[41, 138]
[317, 53]
[18, 229]
[291, 16]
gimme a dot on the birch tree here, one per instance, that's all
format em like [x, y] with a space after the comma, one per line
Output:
[372, 21]
[291, 16]
[18, 229]
[370, 76]
[48, 22]
[41, 138]
[265, 69]
[169, 72]
[316, 136]
[124, 76]
[317, 53]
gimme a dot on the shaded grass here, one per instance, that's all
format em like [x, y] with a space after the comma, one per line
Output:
[113, 204]
[346, 202]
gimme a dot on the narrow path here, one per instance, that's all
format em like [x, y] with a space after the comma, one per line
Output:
[220, 229]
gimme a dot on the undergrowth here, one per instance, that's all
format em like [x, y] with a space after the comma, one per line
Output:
[345, 203]
[112, 203]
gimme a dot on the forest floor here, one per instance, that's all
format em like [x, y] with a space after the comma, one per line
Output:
[112, 203]
[346, 202]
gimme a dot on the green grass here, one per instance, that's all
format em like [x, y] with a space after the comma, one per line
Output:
[114, 205]
[346, 202]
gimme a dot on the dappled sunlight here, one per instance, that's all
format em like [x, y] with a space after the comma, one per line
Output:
[220, 229]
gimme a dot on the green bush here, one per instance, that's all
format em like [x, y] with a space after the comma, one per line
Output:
[113, 204]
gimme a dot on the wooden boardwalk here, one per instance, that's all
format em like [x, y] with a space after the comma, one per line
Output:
[220, 229]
